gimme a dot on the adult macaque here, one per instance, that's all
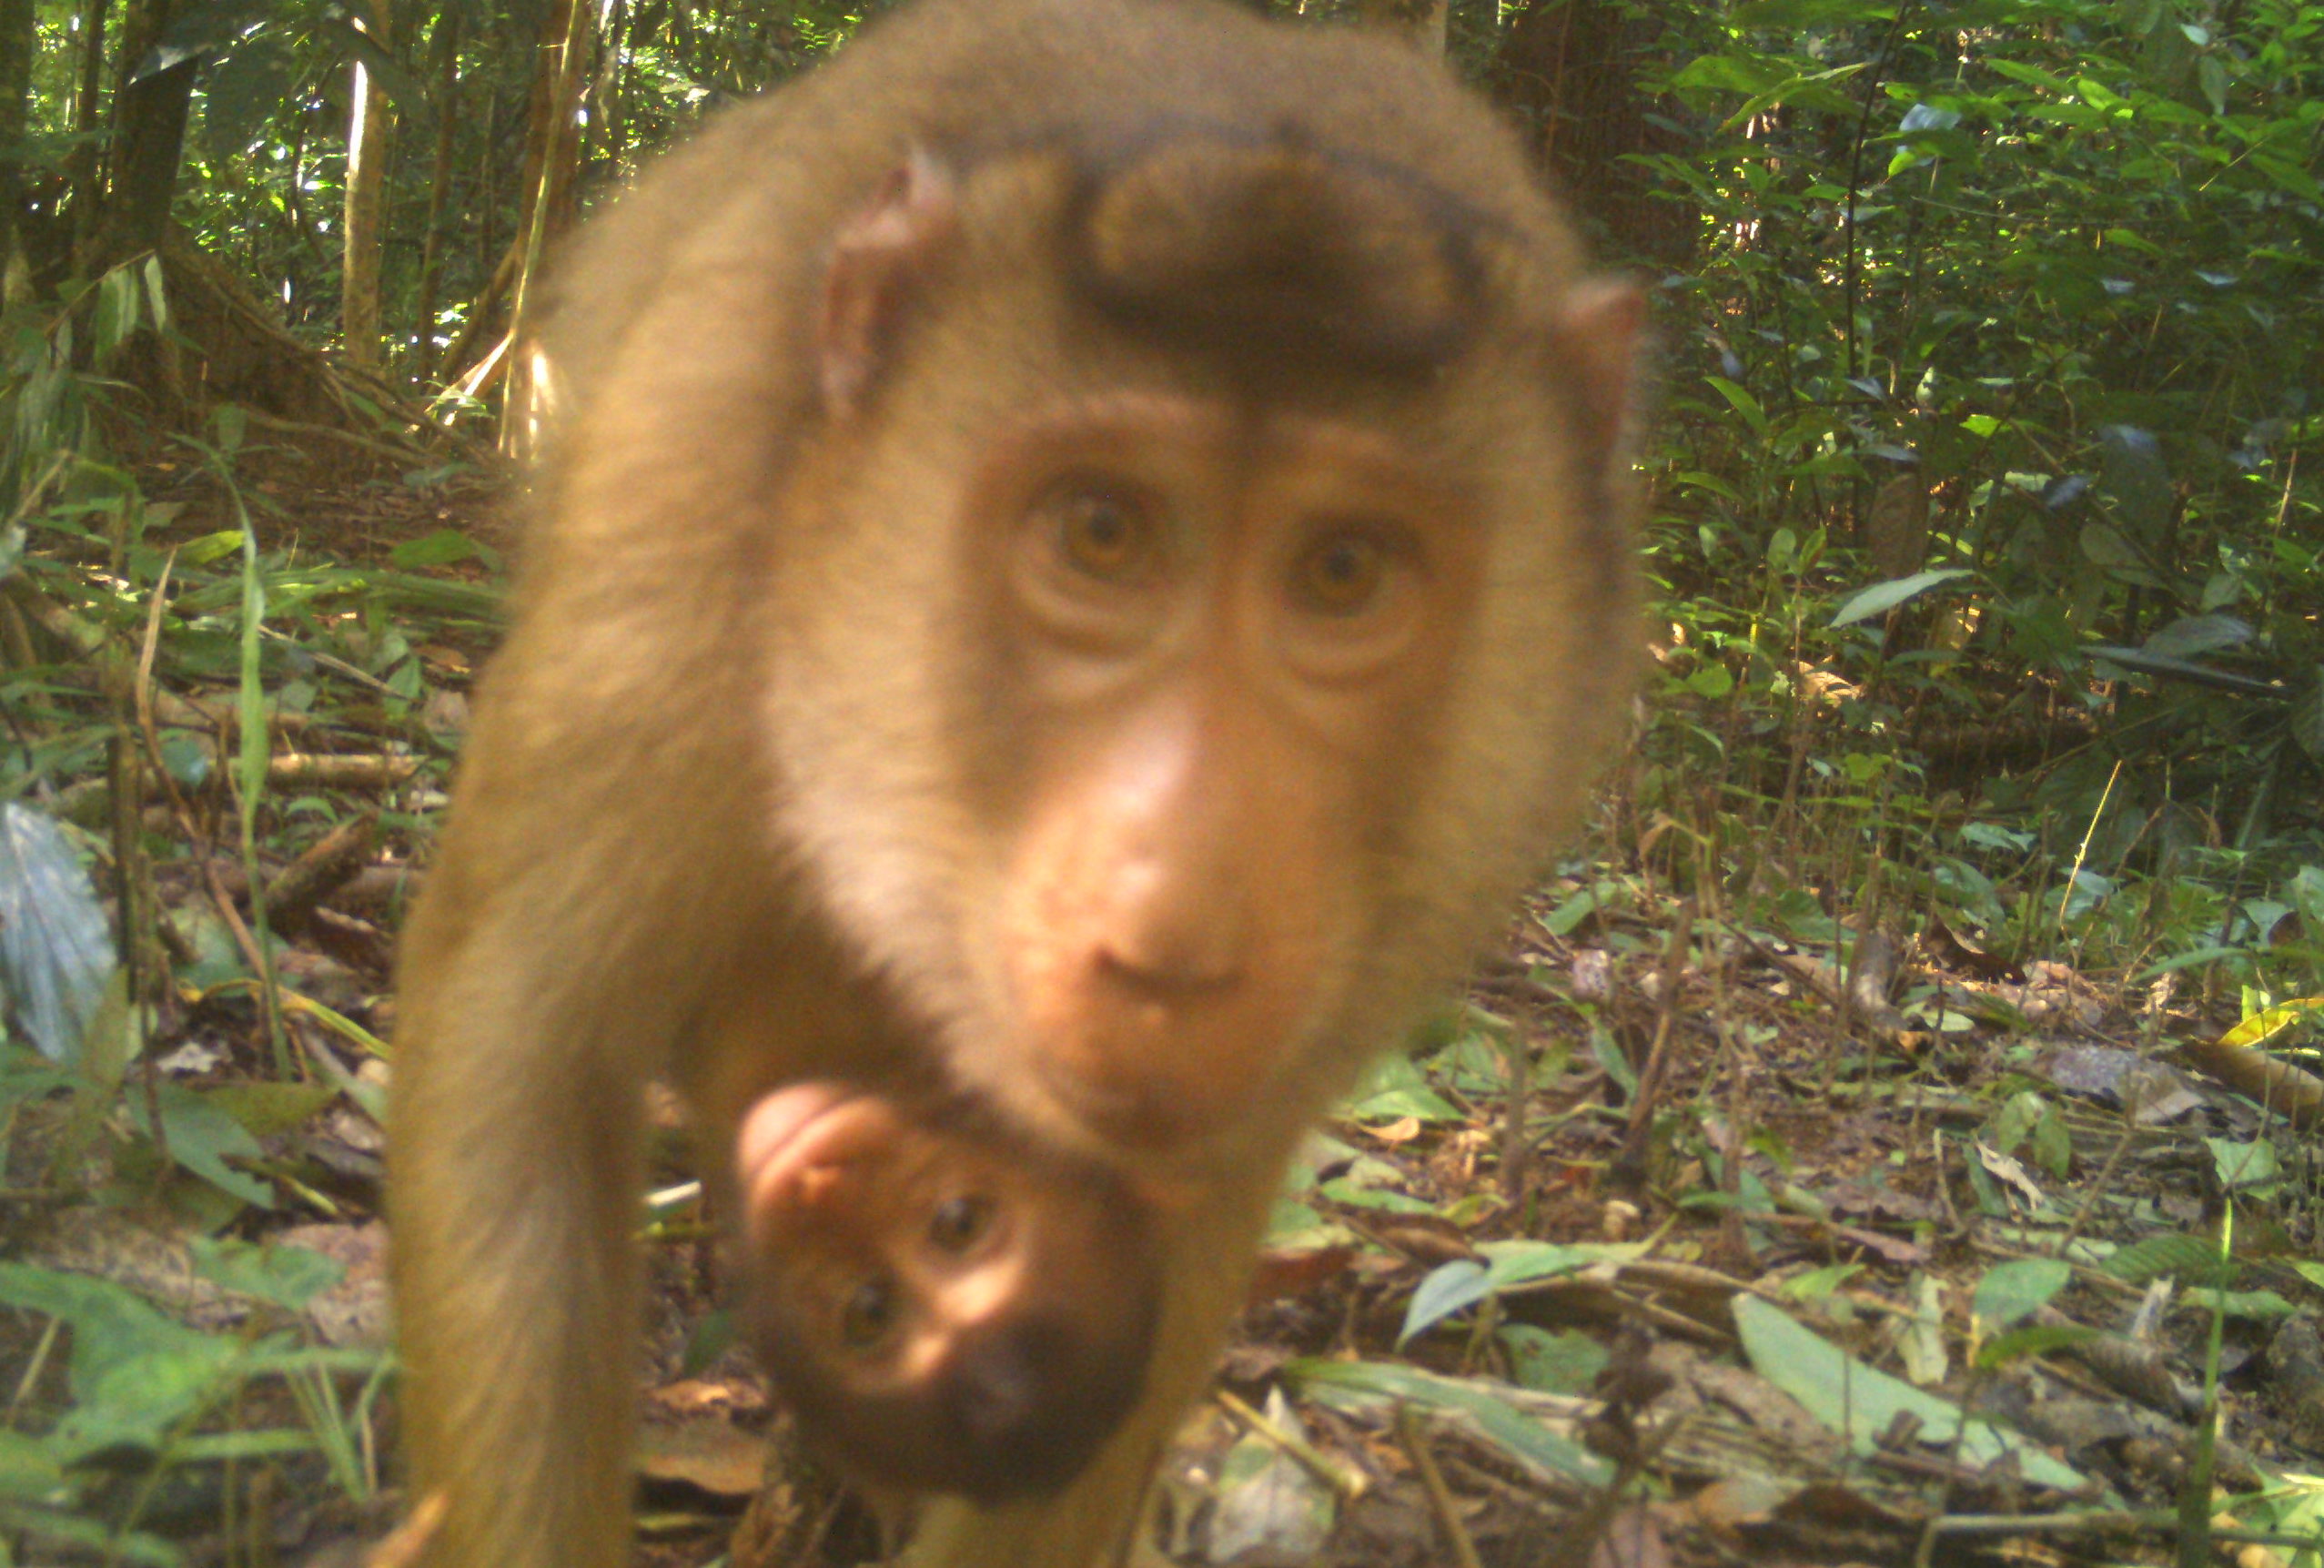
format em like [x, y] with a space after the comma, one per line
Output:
[944, 1308]
[1084, 552]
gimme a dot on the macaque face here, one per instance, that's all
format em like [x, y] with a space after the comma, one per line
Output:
[1194, 660]
[1218, 643]
[943, 1312]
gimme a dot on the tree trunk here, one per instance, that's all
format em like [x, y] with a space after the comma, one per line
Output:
[16, 44]
[547, 193]
[83, 167]
[1570, 71]
[369, 130]
[149, 140]
[606, 119]
[446, 45]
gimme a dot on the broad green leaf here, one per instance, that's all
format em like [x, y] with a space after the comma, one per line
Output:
[444, 547]
[2212, 77]
[31, 1472]
[1397, 1088]
[1712, 682]
[1450, 1288]
[2244, 1165]
[1862, 1403]
[2190, 1259]
[1882, 597]
[200, 1136]
[2308, 717]
[1742, 402]
[56, 951]
[1522, 1263]
[2192, 634]
[2262, 1306]
[2009, 1291]
[289, 1277]
[1362, 1383]
[1561, 1363]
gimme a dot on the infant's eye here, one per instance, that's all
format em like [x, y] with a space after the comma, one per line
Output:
[959, 1223]
[869, 1315]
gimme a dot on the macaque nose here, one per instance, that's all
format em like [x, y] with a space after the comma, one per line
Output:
[1158, 955]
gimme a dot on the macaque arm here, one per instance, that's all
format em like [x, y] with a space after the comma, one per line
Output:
[534, 1004]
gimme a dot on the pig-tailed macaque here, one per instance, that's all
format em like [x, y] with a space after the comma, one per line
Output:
[944, 1308]
[1084, 552]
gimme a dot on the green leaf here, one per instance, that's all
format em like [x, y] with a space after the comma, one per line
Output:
[2212, 77]
[2308, 717]
[2012, 1291]
[2133, 474]
[55, 950]
[2190, 635]
[1449, 1287]
[268, 1109]
[2037, 1341]
[2288, 176]
[1742, 402]
[1882, 597]
[30, 1472]
[135, 1371]
[1564, 1363]
[156, 295]
[2262, 1306]
[1521, 1262]
[289, 1277]
[1397, 1089]
[445, 547]
[1712, 682]
[1730, 73]
[1373, 1383]
[2306, 890]
[2189, 1259]
[1568, 916]
[200, 1136]
[2244, 1165]
[1342, 1191]
[1795, 16]
[1862, 1403]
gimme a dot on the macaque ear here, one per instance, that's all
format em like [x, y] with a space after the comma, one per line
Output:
[1599, 331]
[876, 258]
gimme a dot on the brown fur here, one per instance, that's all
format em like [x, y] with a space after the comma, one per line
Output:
[811, 732]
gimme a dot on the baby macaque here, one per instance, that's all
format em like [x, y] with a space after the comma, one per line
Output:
[944, 1307]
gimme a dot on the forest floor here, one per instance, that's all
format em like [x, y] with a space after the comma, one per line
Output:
[1679, 1240]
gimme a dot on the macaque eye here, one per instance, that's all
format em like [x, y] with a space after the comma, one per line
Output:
[959, 1223]
[1342, 572]
[869, 1315]
[1101, 530]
